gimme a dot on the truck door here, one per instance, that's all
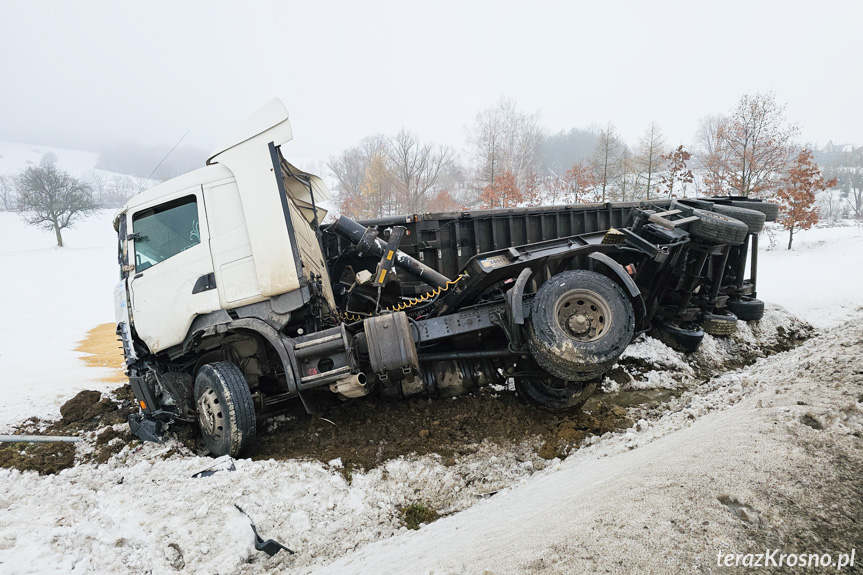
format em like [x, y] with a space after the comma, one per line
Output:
[172, 281]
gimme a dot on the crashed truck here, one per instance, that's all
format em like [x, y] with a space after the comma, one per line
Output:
[236, 303]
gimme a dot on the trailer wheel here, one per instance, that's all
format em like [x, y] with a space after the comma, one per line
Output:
[226, 412]
[769, 209]
[720, 324]
[676, 337]
[580, 323]
[718, 228]
[746, 308]
[552, 393]
[753, 219]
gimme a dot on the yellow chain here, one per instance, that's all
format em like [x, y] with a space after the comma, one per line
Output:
[409, 303]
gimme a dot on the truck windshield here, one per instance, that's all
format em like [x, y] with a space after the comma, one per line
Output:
[164, 231]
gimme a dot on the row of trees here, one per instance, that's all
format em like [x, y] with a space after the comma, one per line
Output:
[511, 161]
[388, 175]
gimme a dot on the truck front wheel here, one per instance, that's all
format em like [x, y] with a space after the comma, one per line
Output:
[580, 323]
[226, 411]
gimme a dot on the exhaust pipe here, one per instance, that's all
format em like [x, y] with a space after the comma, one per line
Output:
[352, 386]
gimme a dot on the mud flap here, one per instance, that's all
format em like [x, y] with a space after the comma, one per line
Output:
[145, 428]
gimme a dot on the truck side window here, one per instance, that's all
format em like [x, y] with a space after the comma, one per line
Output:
[165, 231]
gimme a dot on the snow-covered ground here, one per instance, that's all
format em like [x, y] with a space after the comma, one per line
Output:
[49, 298]
[639, 501]
[821, 278]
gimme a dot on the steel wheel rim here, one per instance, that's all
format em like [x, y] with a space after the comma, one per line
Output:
[583, 315]
[210, 415]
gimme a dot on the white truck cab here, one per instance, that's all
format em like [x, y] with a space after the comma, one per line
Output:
[233, 240]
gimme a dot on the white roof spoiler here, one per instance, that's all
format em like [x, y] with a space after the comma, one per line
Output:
[269, 123]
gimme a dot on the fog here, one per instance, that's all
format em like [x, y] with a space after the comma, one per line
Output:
[103, 75]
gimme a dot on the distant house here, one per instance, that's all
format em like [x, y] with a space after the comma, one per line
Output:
[832, 148]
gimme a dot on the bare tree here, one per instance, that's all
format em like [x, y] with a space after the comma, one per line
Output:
[118, 190]
[711, 156]
[416, 168]
[504, 139]
[847, 168]
[606, 158]
[648, 159]
[754, 146]
[628, 174]
[350, 169]
[7, 193]
[99, 184]
[52, 199]
[378, 196]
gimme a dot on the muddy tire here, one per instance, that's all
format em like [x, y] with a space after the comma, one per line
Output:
[769, 209]
[716, 228]
[719, 324]
[675, 337]
[746, 308]
[554, 394]
[580, 323]
[226, 412]
[753, 219]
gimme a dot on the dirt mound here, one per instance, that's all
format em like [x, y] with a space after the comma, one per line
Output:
[44, 458]
[84, 407]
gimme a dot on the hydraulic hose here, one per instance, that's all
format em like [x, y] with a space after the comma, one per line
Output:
[353, 232]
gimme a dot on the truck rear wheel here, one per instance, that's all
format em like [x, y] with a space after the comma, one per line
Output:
[769, 209]
[746, 308]
[580, 323]
[753, 219]
[720, 324]
[716, 228]
[677, 337]
[226, 412]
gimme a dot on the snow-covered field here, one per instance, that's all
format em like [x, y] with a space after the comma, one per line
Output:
[49, 298]
[643, 500]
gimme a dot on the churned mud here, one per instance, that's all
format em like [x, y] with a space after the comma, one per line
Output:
[369, 432]
[87, 411]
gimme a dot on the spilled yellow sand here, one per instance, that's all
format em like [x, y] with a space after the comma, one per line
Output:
[104, 350]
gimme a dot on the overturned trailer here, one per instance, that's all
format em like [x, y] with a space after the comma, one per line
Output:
[235, 302]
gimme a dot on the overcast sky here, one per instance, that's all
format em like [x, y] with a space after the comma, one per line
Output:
[79, 74]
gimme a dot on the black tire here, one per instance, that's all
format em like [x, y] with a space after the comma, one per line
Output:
[718, 229]
[675, 337]
[769, 209]
[580, 323]
[695, 203]
[554, 394]
[685, 209]
[226, 412]
[753, 219]
[746, 308]
[719, 324]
